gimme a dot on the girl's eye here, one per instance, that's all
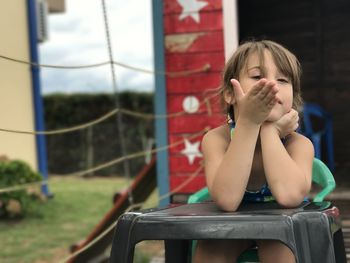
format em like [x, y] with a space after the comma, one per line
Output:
[283, 80]
[257, 77]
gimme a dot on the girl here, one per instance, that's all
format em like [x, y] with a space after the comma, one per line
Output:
[263, 159]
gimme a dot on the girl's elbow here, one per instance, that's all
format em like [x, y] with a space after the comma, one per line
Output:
[228, 207]
[290, 200]
[288, 203]
[226, 204]
[225, 199]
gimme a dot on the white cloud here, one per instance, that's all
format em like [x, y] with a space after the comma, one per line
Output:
[78, 37]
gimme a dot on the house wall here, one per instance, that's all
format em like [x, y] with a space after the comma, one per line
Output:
[16, 105]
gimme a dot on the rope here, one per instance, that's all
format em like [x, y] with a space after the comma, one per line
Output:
[99, 64]
[183, 184]
[105, 165]
[66, 130]
[22, 186]
[204, 68]
[120, 125]
[134, 155]
[205, 101]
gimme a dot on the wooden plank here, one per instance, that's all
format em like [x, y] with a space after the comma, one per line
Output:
[171, 6]
[193, 123]
[196, 184]
[211, 21]
[190, 45]
[142, 186]
[205, 42]
[180, 164]
[190, 61]
[201, 82]
[198, 172]
[176, 151]
[208, 105]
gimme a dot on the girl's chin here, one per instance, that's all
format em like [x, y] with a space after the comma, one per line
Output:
[277, 112]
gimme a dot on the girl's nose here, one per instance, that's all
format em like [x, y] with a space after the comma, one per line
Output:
[272, 81]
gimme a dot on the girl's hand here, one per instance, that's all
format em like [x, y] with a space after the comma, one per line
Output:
[288, 123]
[257, 103]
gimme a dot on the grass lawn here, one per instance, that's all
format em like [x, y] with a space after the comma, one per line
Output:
[46, 234]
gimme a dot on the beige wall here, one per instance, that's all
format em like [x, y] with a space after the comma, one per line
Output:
[16, 106]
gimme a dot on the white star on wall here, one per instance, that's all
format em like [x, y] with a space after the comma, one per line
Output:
[191, 151]
[191, 8]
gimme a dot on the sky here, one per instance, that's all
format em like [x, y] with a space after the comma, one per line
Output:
[78, 37]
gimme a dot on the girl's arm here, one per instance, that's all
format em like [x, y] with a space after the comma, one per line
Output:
[228, 162]
[288, 168]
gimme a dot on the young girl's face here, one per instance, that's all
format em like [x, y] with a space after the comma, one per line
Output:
[251, 74]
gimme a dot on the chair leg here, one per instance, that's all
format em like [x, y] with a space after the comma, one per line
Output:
[339, 248]
[122, 247]
[177, 251]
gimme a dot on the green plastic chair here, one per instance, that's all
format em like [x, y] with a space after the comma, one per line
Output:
[321, 176]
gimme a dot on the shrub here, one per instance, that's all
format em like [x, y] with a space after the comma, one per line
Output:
[13, 173]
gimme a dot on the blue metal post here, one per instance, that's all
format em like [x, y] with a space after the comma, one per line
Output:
[37, 99]
[160, 101]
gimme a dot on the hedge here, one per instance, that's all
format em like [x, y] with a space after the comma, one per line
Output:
[89, 147]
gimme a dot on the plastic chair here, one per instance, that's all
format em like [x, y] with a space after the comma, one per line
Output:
[325, 135]
[321, 176]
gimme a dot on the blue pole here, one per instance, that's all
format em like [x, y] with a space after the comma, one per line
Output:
[160, 101]
[37, 99]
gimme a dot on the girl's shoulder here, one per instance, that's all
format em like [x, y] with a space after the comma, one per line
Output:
[297, 139]
[218, 136]
[221, 132]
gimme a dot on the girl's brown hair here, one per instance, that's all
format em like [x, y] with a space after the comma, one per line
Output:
[285, 61]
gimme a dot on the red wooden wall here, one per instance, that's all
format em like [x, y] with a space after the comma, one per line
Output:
[193, 38]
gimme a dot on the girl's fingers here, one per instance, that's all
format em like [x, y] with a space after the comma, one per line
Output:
[258, 87]
[272, 101]
[272, 96]
[268, 91]
[237, 89]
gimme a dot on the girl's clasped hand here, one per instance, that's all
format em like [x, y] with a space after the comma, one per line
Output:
[258, 102]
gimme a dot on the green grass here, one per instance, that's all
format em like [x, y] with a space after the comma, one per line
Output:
[45, 235]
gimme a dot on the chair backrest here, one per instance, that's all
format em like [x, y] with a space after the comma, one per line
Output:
[321, 176]
[309, 110]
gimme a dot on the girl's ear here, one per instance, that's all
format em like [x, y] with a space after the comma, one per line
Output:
[229, 97]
